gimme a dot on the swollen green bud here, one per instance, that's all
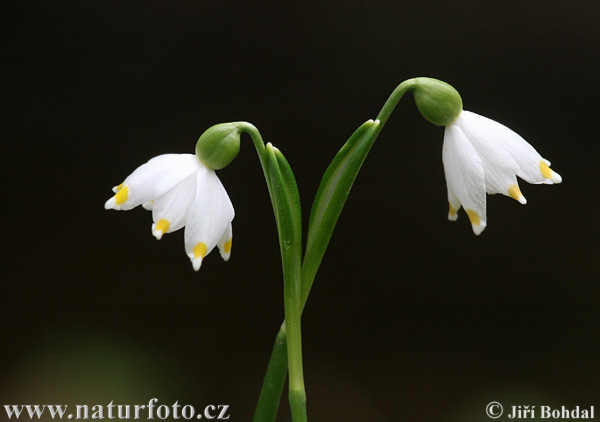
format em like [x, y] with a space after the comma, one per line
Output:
[219, 145]
[437, 101]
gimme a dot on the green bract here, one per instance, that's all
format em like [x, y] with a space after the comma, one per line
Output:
[437, 101]
[219, 145]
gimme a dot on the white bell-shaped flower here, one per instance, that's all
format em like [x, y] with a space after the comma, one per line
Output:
[181, 191]
[481, 155]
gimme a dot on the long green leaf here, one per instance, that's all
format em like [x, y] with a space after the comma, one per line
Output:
[331, 197]
[287, 209]
[286, 201]
[272, 388]
[286, 205]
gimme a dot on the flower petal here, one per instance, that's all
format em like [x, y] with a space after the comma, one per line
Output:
[464, 175]
[169, 211]
[225, 243]
[152, 180]
[208, 218]
[498, 144]
[501, 180]
[453, 203]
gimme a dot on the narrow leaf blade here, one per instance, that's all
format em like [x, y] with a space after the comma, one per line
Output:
[331, 196]
[286, 201]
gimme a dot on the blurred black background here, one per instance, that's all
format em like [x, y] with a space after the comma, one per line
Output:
[411, 317]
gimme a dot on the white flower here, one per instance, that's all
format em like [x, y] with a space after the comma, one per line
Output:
[181, 191]
[481, 155]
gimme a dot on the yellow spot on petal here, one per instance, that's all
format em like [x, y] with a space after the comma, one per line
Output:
[118, 188]
[162, 225]
[199, 250]
[122, 195]
[474, 217]
[227, 245]
[451, 210]
[545, 170]
[515, 192]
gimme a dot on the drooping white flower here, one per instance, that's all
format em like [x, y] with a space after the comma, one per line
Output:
[181, 191]
[481, 155]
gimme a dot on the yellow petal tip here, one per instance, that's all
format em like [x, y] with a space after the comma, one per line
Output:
[227, 246]
[548, 173]
[199, 250]
[160, 228]
[121, 195]
[452, 213]
[117, 188]
[476, 222]
[515, 193]
[474, 217]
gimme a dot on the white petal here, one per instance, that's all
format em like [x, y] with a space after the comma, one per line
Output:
[225, 243]
[498, 144]
[208, 218]
[453, 204]
[169, 211]
[501, 180]
[499, 166]
[464, 175]
[152, 180]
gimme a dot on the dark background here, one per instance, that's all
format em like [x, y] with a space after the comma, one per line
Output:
[411, 317]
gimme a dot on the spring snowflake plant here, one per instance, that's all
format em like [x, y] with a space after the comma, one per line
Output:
[479, 155]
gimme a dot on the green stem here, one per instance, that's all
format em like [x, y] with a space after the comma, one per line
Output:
[287, 211]
[261, 150]
[293, 311]
[266, 410]
[287, 351]
[393, 100]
